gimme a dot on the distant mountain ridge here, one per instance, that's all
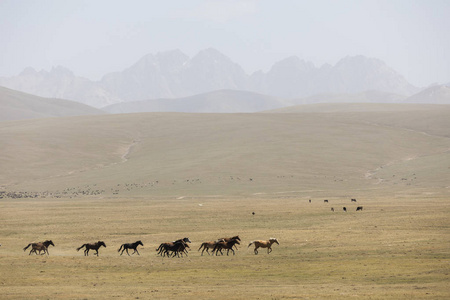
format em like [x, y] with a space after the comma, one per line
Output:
[173, 74]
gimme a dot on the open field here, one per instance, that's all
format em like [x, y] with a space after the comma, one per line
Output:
[159, 177]
[395, 248]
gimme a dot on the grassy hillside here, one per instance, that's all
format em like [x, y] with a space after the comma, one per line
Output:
[15, 105]
[155, 154]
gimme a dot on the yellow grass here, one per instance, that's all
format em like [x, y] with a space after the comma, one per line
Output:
[160, 177]
[395, 248]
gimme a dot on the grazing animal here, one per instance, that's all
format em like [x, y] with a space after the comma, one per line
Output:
[42, 246]
[345, 209]
[93, 246]
[359, 208]
[332, 209]
[353, 200]
[130, 246]
[253, 213]
[228, 245]
[325, 201]
[206, 246]
[309, 200]
[264, 244]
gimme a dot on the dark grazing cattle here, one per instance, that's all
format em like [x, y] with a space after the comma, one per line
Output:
[353, 200]
[345, 209]
[359, 208]
[325, 201]
[332, 209]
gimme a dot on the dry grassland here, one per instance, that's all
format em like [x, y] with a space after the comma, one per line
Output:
[395, 248]
[160, 177]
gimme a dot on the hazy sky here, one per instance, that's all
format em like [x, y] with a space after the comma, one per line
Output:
[94, 37]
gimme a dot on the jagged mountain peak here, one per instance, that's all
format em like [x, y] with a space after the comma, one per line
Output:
[173, 74]
[294, 62]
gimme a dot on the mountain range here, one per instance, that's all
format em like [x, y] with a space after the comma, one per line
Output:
[172, 74]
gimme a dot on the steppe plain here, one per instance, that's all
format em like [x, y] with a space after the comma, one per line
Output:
[157, 177]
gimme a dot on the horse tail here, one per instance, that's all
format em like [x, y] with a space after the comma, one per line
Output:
[159, 248]
[201, 246]
[120, 248]
[27, 247]
[78, 249]
[250, 243]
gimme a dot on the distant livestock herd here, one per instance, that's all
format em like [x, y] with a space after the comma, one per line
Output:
[359, 208]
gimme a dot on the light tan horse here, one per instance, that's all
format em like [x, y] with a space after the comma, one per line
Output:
[264, 244]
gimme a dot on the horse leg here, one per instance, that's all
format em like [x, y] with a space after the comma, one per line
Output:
[135, 250]
[269, 250]
[256, 250]
[127, 252]
[233, 251]
[96, 252]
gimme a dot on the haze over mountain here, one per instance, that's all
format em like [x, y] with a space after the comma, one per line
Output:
[173, 74]
[15, 105]
[221, 101]
[438, 94]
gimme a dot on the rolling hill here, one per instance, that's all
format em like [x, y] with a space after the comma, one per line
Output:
[341, 152]
[15, 105]
[222, 101]
[439, 94]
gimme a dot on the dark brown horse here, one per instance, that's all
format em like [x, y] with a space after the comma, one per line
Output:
[229, 239]
[264, 244]
[93, 246]
[42, 246]
[130, 246]
[162, 248]
[225, 245]
[173, 248]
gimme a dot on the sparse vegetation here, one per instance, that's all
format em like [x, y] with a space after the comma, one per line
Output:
[162, 177]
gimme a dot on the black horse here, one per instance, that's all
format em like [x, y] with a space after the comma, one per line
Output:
[130, 246]
[164, 248]
[94, 246]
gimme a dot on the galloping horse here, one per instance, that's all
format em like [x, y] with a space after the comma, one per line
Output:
[162, 249]
[225, 245]
[206, 246]
[130, 246]
[43, 246]
[264, 244]
[229, 239]
[177, 247]
[94, 246]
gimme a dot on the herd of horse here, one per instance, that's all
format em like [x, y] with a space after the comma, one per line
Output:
[177, 248]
